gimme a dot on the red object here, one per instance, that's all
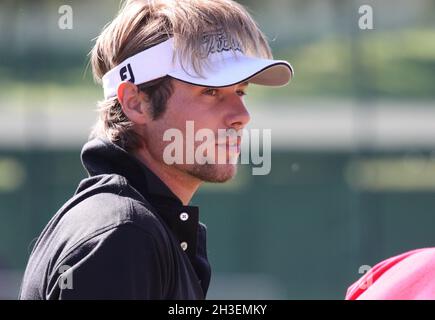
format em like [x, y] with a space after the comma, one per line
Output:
[408, 276]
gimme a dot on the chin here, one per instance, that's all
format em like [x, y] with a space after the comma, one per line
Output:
[217, 173]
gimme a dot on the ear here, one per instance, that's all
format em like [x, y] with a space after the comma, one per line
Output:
[133, 103]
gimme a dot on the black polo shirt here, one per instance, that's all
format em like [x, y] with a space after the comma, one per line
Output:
[123, 235]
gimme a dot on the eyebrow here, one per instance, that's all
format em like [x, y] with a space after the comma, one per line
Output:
[244, 84]
[241, 84]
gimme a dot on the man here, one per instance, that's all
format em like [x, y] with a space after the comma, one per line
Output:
[129, 232]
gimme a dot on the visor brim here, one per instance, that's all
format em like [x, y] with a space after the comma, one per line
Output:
[236, 69]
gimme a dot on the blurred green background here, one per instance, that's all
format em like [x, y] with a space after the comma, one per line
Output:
[353, 136]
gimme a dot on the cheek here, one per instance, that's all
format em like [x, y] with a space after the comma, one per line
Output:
[202, 113]
[178, 111]
[172, 118]
[153, 136]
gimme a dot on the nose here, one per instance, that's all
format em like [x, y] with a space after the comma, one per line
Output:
[238, 116]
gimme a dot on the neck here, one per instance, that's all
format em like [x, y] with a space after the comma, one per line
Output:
[179, 182]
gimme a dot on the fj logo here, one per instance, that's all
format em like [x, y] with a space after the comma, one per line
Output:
[123, 73]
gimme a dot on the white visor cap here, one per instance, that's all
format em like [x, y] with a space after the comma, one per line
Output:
[224, 68]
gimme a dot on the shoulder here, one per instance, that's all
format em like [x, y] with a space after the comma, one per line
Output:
[105, 229]
[112, 202]
[110, 208]
[123, 262]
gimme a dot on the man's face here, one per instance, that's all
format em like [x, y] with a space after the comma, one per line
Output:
[209, 108]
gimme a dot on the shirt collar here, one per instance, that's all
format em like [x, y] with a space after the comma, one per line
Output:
[101, 156]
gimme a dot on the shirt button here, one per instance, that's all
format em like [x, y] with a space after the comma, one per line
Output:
[184, 216]
[183, 245]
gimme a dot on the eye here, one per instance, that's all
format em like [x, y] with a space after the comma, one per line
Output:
[210, 92]
[241, 93]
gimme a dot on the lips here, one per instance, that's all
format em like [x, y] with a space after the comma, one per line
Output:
[231, 144]
[230, 141]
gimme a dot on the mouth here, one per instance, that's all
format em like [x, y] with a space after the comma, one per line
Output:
[232, 145]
